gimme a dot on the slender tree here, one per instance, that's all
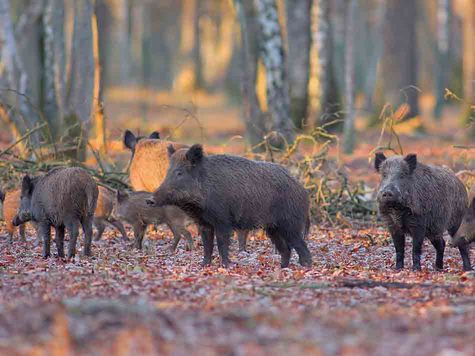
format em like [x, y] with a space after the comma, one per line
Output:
[442, 67]
[399, 63]
[298, 42]
[349, 125]
[273, 56]
[255, 127]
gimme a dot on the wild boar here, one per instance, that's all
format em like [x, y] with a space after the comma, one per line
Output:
[133, 209]
[149, 165]
[466, 231]
[223, 193]
[103, 214]
[420, 200]
[62, 198]
[11, 203]
[149, 161]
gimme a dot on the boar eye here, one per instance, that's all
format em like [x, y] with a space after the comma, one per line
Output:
[179, 173]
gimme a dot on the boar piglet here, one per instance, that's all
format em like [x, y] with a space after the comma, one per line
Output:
[103, 214]
[466, 231]
[225, 193]
[420, 200]
[132, 208]
[62, 198]
[11, 203]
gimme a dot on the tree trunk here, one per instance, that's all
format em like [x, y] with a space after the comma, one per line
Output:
[349, 126]
[469, 53]
[123, 25]
[54, 66]
[273, 57]
[399, 63]
[298, 59]
[374, 60]
[80, 99]
[255, 127]
[442, 68]
[16, 76]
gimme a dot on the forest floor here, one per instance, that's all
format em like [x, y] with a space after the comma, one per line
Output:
[123, 301]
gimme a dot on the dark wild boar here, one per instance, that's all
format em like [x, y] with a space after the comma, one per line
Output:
[62, 198]
[223, 193]
[11, 203]
[133, 209]
[420, 200]
[149, 165]
[103, 214]
[466, 231]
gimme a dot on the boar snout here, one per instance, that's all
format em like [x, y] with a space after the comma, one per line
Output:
[21, 218]
[390, 194]
[151, 202]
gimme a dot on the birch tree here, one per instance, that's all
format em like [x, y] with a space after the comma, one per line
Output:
[298, 40]
[273, 57]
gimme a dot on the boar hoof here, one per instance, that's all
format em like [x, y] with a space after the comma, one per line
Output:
[306, 263]
[399, 267]
[206, 263]
[416, 268]
[171, 250]
[189, 246]
[467, 268]
[45, 255]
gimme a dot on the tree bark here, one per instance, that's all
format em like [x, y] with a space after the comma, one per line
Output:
[255, 127]
[123, 25]
[16, 76]
[54, 66]
[273, 57]
[442, 68]
[399, 63]
[349, 125]
[469, 53]
[80, 99]
[298, 40]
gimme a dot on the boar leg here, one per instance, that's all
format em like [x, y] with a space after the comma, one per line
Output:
[59, 239]
[465, 253]
[87, 230]
[439, 245]
[22, 232]
[223, 239]
[179, 232]
[281, 246]
[399, 241]
[118, 225]
[207, 236]
[100, 226]
[242, 238]
[45, 233]
[139, 232]
[73, 236]
[417, 233]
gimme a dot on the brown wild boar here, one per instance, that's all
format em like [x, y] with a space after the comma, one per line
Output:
[133, 209]
[149, 161]
[466, 231]
[103, 214]
[422, 201]
[223, 193]
[62, 198]
[11, 203]
[149, 165]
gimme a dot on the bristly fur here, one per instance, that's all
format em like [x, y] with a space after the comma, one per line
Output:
[225, 193]
[431, 200]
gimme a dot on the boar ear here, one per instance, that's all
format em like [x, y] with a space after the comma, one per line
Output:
[121, 195]
[411, 160]
[155, 135]
[171, 150]
[26, 185]
[379, 158]
[129, 140]
[195, 153]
